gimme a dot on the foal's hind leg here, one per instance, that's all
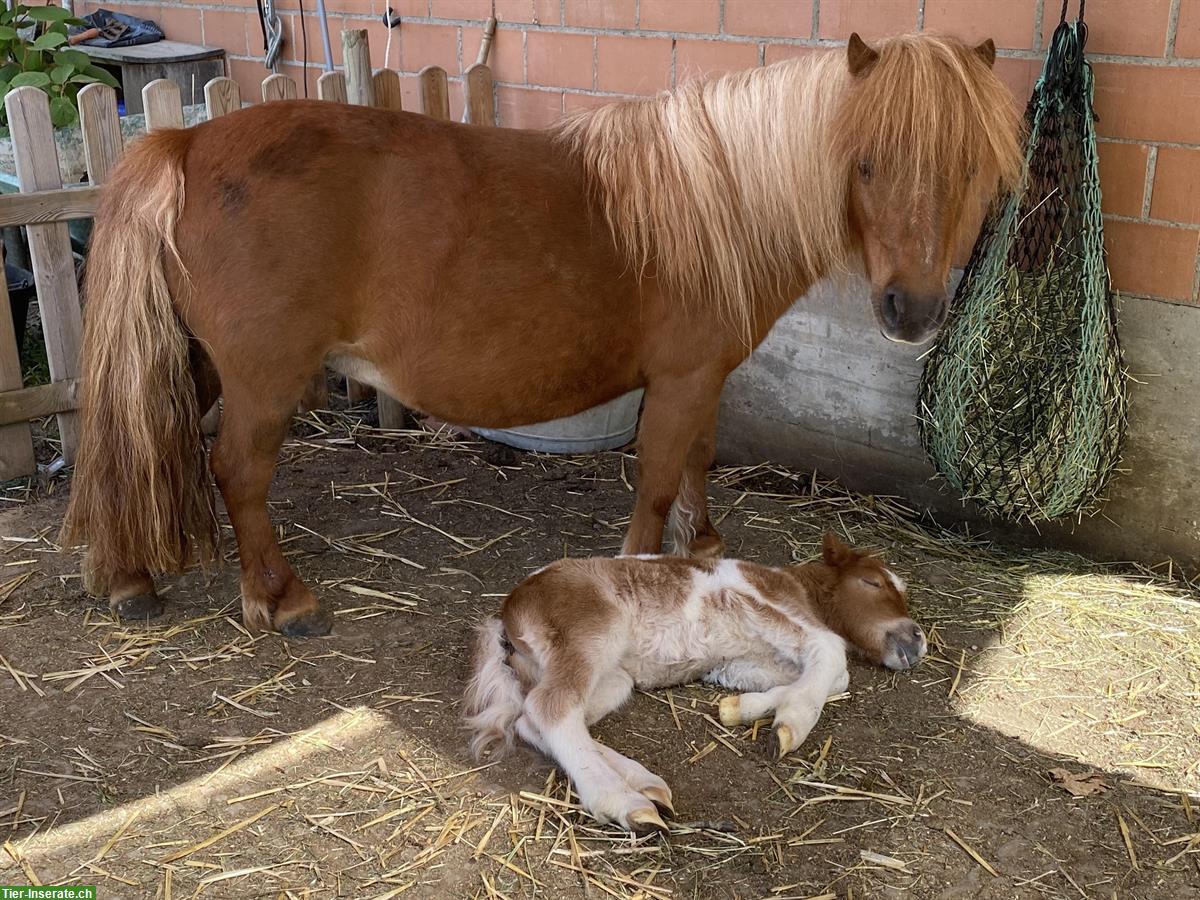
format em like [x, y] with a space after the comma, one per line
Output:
[692, 534]
[253, 426]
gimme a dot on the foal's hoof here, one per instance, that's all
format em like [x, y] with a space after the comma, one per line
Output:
[311, 624]
[647, 821]
[731, 710]
[787, 740]
[661, 798]
[139, 606]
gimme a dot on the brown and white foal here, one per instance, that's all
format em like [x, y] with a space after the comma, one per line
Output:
[574, 638]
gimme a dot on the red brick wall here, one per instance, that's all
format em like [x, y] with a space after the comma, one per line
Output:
[551, 56]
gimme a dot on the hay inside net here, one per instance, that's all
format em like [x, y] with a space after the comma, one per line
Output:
[1023, 401]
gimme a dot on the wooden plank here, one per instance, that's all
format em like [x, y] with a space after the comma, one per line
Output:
[435, 92]
[332, 86]
[360, 87]
[16, 440]
[24, 404]
[163, 106]
[481, 105]
[279, 87]
[101, 131]
[387, 89]
[157, 52]
[36, 160]
[61, 205]
[222, 96]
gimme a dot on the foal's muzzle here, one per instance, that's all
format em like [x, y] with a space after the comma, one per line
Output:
[904, 646]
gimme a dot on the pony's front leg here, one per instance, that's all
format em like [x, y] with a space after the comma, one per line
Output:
[243, 463]
[692, 534]
[675, 412]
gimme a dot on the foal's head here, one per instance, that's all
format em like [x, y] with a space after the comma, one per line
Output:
[927, 134]
[866, 603]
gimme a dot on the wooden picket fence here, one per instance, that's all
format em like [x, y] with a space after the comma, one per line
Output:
[44, 205]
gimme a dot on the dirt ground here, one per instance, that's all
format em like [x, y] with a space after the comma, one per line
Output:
[1046, 747]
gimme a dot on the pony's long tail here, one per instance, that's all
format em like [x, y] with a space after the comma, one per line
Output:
[141, 498]
[494, 697]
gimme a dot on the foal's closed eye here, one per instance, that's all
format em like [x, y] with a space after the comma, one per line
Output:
[864, 169]
[872, 582]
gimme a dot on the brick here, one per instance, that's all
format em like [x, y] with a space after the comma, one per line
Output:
[1115, 27]
[306, 79]
[627, 65]
[458, 101]
[558, 60]
[695, 59]
[573, 100]
[178, 23]
[695, 16]
[525, 108]
[1009, 24]
[293, 40]
[1176, 194]
[775, 52]
[227, 29]
[248, 74]
[410, 93]
[535, 12]
[460, 9]
[507, 57]
[1020, 75]
[1149, 103]
[600, 13]
[769, 18]
[1123, 178]
[1187, 31]
[428, 45]
[1151, 259]
[872, 19]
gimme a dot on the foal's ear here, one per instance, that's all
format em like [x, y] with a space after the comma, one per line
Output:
[834, 553]
[987, 52]
[859, 56]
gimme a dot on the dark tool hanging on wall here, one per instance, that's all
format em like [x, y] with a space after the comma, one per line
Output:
[1023, 399]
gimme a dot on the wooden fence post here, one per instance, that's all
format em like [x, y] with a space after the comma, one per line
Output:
[36, 160]
[279, 87]
[435, 92]
[16, 440]
[481, 105]
[332, 86]
[387, 89]
[163, 105]
[222, 96]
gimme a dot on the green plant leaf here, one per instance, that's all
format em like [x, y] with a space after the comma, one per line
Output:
[83, 79]
[49, 41]
[60, 74]
[31, 79]
[7, 33]
[5, 87]
[63, 112]
[8, 71]
[101, 76]
[49, 14]
[76, 58]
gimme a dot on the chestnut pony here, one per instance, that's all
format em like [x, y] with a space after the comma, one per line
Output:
[496, 277]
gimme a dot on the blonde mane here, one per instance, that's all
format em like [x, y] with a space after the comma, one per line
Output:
[733, 191]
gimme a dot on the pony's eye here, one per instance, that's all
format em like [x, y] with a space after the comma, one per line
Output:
[872, 582]
[864, 169]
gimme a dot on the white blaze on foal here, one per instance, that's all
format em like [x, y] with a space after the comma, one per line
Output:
[574, 638]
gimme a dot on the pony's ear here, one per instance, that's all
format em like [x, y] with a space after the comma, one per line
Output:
[859, 56]
[834, 553]
[987, 52]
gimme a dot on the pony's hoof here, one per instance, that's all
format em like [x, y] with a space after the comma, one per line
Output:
[707, 546]
[660, 797]
[787, 742]
[647, 821]
[312, 624]
[140, 606]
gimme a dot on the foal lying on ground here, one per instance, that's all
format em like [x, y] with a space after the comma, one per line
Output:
[583, 632]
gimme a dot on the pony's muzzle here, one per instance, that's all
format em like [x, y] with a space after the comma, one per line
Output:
[908, 318]
[904, 645]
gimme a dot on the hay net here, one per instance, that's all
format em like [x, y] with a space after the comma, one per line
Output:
[1022, 403]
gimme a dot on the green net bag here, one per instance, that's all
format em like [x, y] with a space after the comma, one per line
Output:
[1022, 403]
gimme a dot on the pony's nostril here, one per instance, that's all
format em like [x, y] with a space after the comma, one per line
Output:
[891, 307]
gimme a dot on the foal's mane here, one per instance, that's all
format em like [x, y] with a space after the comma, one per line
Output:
[733, 191]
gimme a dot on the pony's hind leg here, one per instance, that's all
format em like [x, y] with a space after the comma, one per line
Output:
[692, 534]
[253, 425]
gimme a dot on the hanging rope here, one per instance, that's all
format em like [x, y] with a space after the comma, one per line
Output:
[1023, 399]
